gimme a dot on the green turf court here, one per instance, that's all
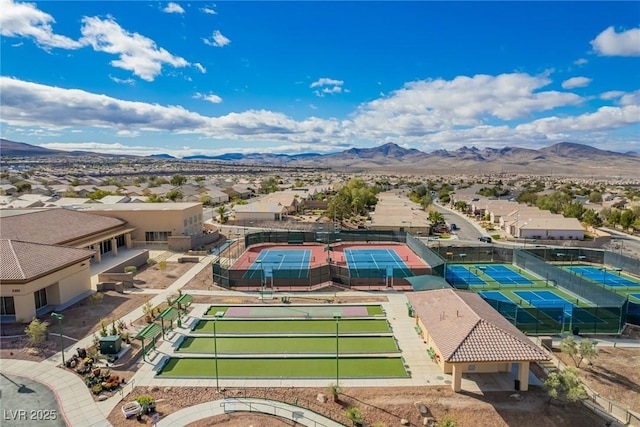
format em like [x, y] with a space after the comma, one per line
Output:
[314, 367]
[278, 345]
[297, 326]
[289, 310]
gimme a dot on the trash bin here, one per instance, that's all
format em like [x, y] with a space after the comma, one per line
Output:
[516, 385]
[575, 331]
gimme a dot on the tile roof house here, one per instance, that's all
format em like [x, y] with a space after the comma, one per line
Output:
[466, 334]
[46, 256]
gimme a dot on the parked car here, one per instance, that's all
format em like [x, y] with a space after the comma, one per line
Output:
[453, 227]
[485, 239]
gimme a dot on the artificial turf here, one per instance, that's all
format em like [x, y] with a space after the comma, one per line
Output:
[372, 310]
[301, 345]
[282, 326]
[359, 367]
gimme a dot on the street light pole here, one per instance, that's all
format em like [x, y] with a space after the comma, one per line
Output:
[60, 317]
[215, 346]
[337, 317]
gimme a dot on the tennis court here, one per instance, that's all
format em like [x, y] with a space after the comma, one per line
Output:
[546, 299]
[636, 296]
[503, 275]
[462, 275]
[515, 315]
[603, 276]
[297, 311]
[292, 263]
[364, 263]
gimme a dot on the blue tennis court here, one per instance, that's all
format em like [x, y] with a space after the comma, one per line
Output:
[292, 263]
[636, 296]
[602, 276]
[496, 295]
[462, 274]
[365, 263]
[504, 275]
[545, 299]
[516, 315]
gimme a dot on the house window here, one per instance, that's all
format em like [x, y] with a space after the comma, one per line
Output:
[41, 298]
[185, 222]
[7, 306]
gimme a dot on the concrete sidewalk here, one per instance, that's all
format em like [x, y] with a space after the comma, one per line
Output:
[297, 414]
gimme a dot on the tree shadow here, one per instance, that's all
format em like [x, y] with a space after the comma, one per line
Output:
[601, 373]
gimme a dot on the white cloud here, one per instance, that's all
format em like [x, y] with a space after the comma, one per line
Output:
[612, 94]
[605, 118]
[574, 82]
[580, 61]
[325, 81]
[611, 43]
[200, 67]
[465, 110]
[427, 106]
[26, 20]
[173, 8]
[214, 99]
[327, 86]
[217, 40]
[209, 11]
[631, 98]
[136, 52]
[128, 133]
[122, 81]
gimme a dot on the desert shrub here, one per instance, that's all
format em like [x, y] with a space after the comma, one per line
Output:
[37, 332]
[96, 298]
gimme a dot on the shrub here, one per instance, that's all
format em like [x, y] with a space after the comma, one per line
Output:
[131, 269]
[96, 388]
[96, 298]
[37, 331]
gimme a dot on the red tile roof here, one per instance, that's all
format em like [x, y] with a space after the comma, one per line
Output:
[55, 226]
[467, 329]
[25, 261]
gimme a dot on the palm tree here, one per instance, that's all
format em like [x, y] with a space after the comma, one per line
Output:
[221, 212]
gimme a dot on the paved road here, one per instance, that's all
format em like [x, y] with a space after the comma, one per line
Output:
[26, 403]
[467, 229]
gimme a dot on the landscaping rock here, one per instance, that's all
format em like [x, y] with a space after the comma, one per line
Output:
[102, 397]
[429, 421]
[33, 351]
[167, 389]
[516, 396]
[420, 407]
[404, 422]
[322, 398]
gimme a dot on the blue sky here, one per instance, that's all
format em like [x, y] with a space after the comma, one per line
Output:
[200, 77]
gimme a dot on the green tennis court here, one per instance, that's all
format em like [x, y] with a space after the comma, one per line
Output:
[313, 367]
[297, 326]
[278, 345]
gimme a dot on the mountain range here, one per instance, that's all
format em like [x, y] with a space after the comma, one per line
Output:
[564, 158]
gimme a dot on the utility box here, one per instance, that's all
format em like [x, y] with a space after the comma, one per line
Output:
[110, 344]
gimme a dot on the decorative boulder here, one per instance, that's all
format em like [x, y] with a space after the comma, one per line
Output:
[404, 422]
[322, 398]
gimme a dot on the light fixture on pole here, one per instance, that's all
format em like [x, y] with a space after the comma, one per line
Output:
[215, 345]
[336, 316]
[60, 317]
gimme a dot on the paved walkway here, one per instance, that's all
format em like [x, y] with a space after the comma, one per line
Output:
[217, 407]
